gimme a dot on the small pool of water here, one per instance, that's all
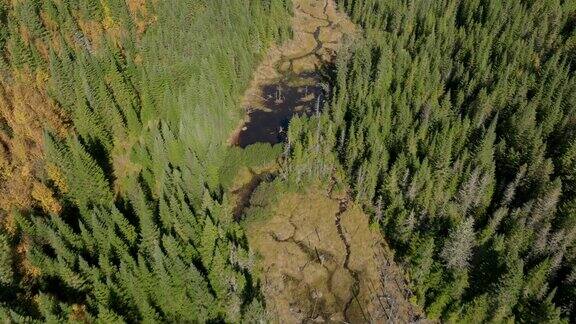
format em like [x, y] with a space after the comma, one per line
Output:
[289, 81]
[281, 102]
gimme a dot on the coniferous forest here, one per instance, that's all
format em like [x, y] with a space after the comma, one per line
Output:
[448, 126]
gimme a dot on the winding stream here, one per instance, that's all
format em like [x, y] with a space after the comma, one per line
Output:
[355, 287]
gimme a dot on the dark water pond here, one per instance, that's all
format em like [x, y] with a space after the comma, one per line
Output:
[282, 102]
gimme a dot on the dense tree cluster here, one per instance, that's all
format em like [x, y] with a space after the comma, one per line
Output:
[129, 222]
[454, 123]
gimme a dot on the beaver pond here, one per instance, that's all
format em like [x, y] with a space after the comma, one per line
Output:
[282, 101]
[290, 80]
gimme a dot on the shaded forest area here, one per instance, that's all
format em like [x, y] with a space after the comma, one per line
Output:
[454, 123]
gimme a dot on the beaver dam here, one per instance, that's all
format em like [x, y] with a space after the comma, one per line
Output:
[319, 259]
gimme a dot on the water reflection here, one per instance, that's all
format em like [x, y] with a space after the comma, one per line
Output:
[281, 102]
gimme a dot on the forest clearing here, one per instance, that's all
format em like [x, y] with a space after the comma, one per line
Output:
[318, 261]
[321, 261]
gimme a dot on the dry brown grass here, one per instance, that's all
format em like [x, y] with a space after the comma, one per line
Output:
[302, 263]
[300, 252]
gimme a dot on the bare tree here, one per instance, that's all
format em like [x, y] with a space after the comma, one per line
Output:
[458, 247]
